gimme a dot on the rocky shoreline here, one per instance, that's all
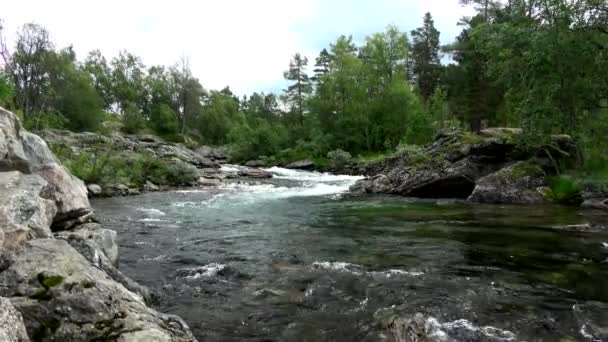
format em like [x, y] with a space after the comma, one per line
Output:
[488, 168]
[59, 279]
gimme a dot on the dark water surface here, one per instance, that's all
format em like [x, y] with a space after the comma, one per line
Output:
[295, 259]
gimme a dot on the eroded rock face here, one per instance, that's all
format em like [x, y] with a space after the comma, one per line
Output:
[12, 328]
[63, 298]
[522, 183]
[104, 238]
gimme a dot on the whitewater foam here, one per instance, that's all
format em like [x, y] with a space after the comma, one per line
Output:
[206, 271]
[151, 211]
[359, 270]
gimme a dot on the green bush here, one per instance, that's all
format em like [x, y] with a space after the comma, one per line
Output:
[414, 153]
[565, 189]
[339, 158]
[132, 119]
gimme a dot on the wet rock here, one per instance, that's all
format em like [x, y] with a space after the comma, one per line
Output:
[94, 189]
[26, 211]
[250, 172]
[375, 185]
[421, 328]
[12, 328]
[595, 201]
[151, 187]
[64, 298]
[520, 183]
[209, 182]
[301, 165]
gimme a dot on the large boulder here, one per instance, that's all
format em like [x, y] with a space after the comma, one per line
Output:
[29, 154]
[374, 185]
[12, 328]
[26, 210]
[520, 183]
[62, 297]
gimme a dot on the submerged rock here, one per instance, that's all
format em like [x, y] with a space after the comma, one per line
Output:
[12, 328]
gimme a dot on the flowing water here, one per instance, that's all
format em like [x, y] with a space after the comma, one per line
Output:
[296, 258]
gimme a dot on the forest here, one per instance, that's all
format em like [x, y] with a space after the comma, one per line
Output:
[539, 65]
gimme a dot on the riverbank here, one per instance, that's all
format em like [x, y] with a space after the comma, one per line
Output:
[59, 279]
[495, 166]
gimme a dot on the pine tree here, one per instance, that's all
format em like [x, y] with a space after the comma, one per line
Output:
[301, 87]
[322, 65]
[425, 57]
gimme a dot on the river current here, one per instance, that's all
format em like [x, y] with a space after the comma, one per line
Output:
[296, 258]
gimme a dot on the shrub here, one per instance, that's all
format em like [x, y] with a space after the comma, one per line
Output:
[339, 158]
[565, 189]
[413, 153]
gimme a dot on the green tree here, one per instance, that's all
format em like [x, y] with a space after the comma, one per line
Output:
[301, 87]
[29, 68]
[100, 72]
[425, 57]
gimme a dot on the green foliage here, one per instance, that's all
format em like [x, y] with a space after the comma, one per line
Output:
[413, 153]
[104, 167]
[7, 89]
[132, 119]
[38, 121]
[339, 158]
[164, 120]
[565, 189]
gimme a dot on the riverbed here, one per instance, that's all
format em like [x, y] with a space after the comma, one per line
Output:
[296, 258]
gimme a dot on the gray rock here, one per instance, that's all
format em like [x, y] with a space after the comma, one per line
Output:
[104, 238]
[151, 187]
[375, 185]
[64, 298]
[209, 182]
[94, 189]
[520, 183]
[595, 201]
[12, 328]
[301, 165]
[255, 163]
[25, 210]
[249, 172]
[96, 247]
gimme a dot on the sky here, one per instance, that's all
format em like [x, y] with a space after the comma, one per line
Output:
[245, 44]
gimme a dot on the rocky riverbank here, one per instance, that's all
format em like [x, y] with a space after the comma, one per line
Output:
[58, 269]
[492, 167]
[149, 163]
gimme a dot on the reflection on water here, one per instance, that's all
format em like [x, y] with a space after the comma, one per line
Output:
[295, 258]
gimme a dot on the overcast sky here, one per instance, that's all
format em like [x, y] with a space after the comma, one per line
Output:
[246, 44]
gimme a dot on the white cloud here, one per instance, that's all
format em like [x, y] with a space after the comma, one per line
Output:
[242, 43]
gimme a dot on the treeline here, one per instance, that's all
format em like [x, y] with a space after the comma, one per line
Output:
[541, 65]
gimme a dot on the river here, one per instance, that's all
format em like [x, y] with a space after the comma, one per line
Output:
[296, 258]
